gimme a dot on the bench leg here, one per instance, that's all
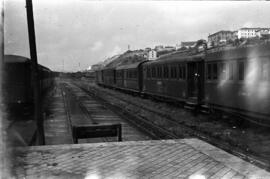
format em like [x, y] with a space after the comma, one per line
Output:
[74, 135]
[119, 131]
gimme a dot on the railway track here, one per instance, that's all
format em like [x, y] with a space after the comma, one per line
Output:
[87, 110]
[172, 128]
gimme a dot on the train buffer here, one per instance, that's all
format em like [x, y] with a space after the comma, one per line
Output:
[96, 130]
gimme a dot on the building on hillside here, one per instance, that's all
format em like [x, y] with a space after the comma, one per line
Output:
[152, 55]
[252, 32]
[159, 48]
[186, 45]
[221, 37]
[147, 49]
[263, 32]
[169, 48]
[96, 67]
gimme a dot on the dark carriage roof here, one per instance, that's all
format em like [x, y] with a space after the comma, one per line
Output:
[107, 68]
[178, 57]
[21, 59]
[246, 51]
[15, 59]
[130, 66]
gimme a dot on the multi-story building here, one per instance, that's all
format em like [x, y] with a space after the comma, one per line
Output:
[252, 32]
[221, 37]
[152, 55]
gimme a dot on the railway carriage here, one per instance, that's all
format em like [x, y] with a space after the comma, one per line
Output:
[18, 85]
[119, 77]
[129, 77]
[108, 76]
[178, 76]
[231, 79]
[46, 75]
[238, 80]
[99, 78]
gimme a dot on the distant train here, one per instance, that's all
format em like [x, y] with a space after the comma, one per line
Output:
[18, 83]
[234, 80]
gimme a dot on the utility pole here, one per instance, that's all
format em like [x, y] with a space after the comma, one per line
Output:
[35, 73]
[1, 41]
[3, 145]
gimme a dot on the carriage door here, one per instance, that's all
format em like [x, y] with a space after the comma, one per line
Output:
[195, 80]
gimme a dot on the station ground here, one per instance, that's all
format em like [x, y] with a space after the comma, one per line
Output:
[182, 158]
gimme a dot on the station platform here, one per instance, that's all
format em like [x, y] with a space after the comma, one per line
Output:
[183, 158]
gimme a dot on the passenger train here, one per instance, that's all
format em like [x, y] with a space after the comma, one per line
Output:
[18, 84]
[233, 79]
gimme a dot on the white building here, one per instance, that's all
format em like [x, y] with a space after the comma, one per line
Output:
[251, 32]
[152, 55]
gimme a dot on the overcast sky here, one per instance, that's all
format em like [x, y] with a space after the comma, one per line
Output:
[85, 32]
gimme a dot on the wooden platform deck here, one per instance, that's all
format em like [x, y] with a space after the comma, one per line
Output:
[186, 158]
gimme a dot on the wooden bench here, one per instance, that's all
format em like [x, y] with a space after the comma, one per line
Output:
[96, 130]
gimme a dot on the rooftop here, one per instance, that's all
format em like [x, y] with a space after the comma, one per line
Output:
[222, 31]
[252, 28]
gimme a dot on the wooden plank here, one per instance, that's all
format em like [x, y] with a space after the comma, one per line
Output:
[97, 130]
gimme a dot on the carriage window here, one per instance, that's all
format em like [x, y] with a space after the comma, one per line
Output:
[264, 70]
[241, 70]
[214, 66]
[184, 72]
[209, 69]
[166, 71]
[172, 75]
[214, 71]
[222, 71]
[159, 72]
[135, 74]
[173, 72]
[180, 72]
[231, 71]
[148, 73]
[128, 74]
[153, 72]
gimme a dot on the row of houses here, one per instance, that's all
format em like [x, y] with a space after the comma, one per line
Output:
[218, 38]
[223, 36]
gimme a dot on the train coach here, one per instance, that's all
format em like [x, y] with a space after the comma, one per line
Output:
[178, 77]
[238, 81]
[129, 77]
[234, 80]
[18, 83]
[107, 76]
